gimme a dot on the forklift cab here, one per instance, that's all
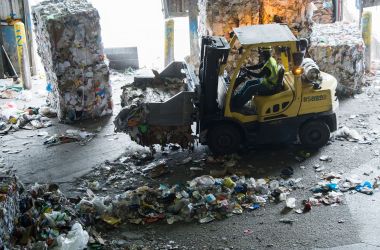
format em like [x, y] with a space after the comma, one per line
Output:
[284, 45]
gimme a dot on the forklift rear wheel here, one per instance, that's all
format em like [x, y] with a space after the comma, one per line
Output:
[224, 139]
[314, 134]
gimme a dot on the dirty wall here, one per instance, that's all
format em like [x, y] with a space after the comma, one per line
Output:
[70, 45]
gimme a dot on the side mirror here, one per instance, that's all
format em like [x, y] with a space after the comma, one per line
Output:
[298, 58]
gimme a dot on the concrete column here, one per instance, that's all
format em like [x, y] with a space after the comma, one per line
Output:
[29, 36]
[193, 31]
[169, 41]
[367, 36]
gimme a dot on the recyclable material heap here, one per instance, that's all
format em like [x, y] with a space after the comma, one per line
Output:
[9, 209]
[338, 49]
[219, 17]
[46, 218]
[69, 43]
[133, 118]
[202, 199]
[14, 118]
[42, 216]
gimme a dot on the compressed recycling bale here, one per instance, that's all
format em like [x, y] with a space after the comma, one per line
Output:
[69, 43]
[219, 17]
[9, 209]
[338, 49]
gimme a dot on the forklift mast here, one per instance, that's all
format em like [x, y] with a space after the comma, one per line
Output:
[214, 53]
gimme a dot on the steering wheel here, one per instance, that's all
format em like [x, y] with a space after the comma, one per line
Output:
[243, 72]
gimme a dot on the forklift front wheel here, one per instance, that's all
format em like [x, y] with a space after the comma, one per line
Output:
[314, 134]
[223, 139]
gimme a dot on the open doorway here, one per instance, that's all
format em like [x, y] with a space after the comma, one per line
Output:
[127, 23]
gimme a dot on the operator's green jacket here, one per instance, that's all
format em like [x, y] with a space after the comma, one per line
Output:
[271, 80]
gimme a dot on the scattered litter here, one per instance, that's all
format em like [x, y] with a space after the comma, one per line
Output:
[156, 169]
[291, 202]
[43, 134]
[248, 232]
[76, 238]
[287, 221]
[186, 160]
[325, 158]
[348, 134]
[319, 168]
[365, 188]
[82, 137]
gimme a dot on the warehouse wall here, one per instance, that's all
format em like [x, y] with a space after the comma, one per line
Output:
[5, 9]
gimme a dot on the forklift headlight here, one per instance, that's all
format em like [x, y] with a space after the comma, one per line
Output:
[297, 71]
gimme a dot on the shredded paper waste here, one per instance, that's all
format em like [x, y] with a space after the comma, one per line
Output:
[69, 43]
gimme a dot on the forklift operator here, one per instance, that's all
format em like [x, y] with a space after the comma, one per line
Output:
[265, 82]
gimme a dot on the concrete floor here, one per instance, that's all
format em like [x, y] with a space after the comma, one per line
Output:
[354, 225]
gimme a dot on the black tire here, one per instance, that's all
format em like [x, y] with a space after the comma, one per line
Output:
[314, 134]
[223, 139]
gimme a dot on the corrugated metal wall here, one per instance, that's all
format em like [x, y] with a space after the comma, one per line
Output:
[6, 10]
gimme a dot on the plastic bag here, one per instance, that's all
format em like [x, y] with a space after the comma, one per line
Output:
[76, 239]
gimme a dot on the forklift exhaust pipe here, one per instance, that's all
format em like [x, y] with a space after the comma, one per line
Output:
[298, 58]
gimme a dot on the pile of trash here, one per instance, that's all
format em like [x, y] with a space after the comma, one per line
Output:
[9, 92]
[43, 217]
[46, 218]
[135, 99]
[329, 191]
[202, 199]
[71, 135]
[351, 135]
[69, 42]
[13, 118]
[9, 209]
[338, 49]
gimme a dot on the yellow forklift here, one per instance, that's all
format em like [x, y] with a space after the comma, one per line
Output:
[301, 110]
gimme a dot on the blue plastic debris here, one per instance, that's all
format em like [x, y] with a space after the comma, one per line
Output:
[365, 188]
